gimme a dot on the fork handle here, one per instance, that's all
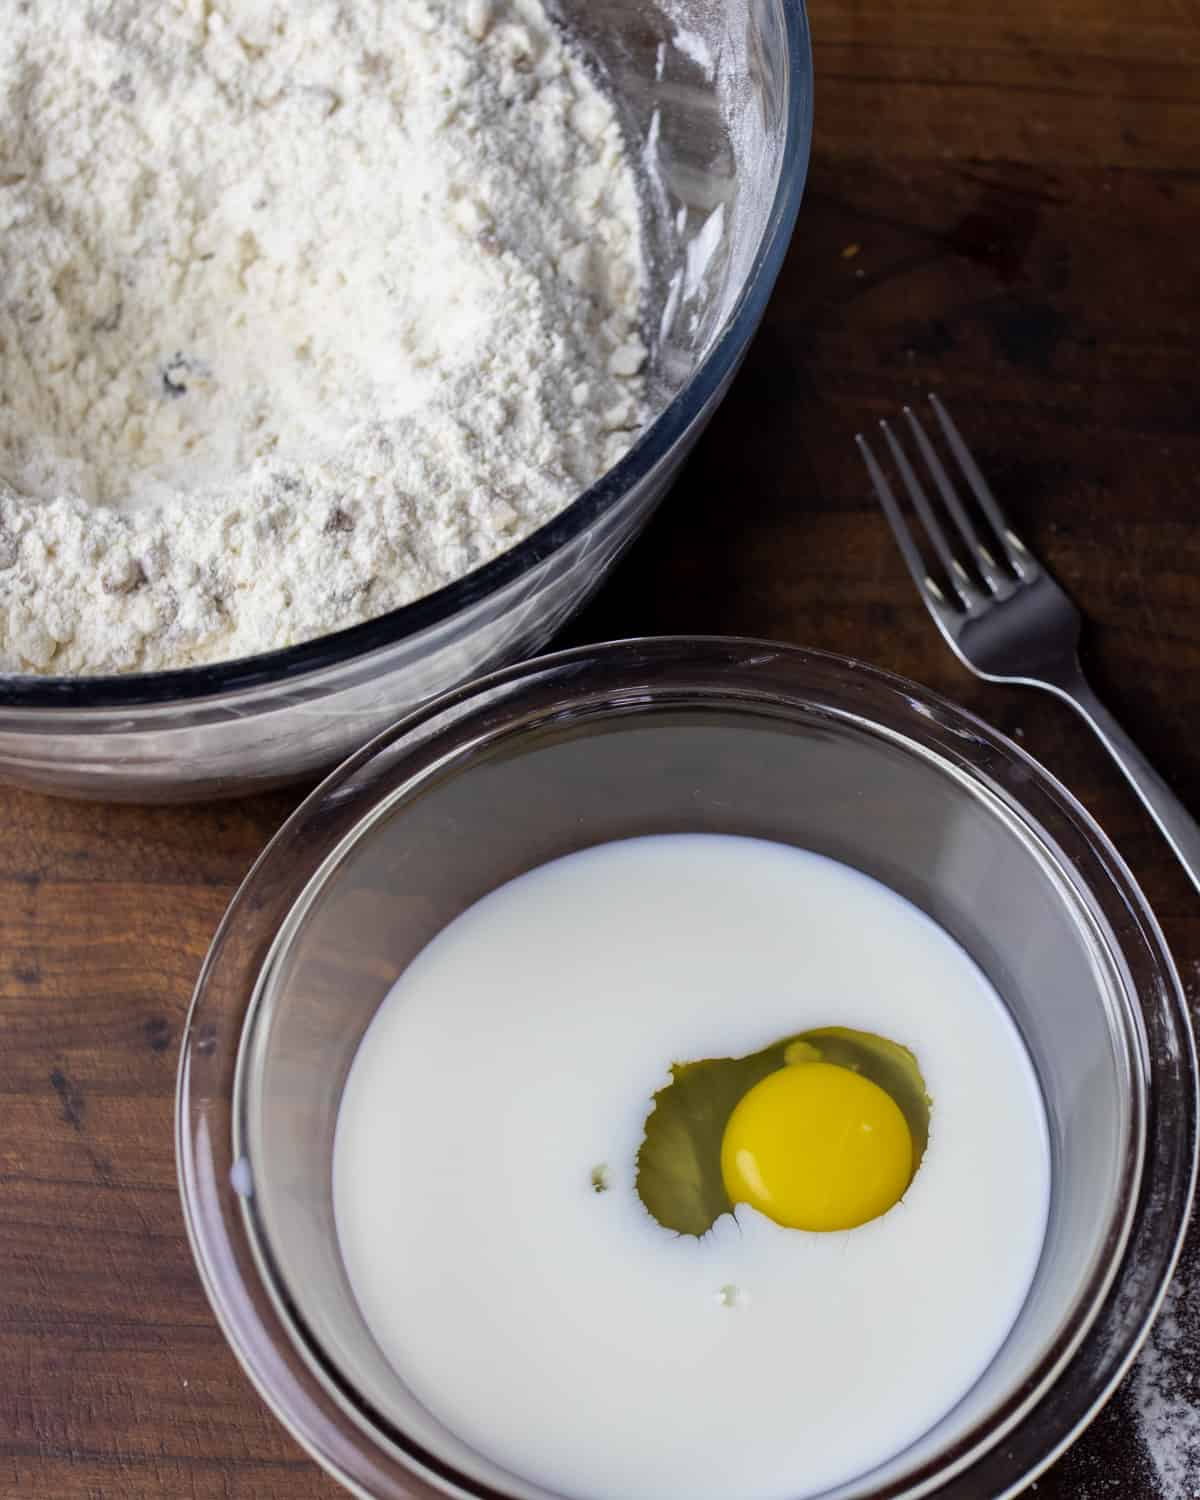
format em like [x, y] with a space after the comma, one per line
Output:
[1178, 826]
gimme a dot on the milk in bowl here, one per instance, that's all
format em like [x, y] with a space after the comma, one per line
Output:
[692, 1166]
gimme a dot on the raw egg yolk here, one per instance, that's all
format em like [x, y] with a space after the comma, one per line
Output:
[816, 1146]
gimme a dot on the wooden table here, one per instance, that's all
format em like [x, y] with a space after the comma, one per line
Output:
[1004, 204]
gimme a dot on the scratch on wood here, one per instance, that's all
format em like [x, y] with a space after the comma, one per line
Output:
[70, 1096]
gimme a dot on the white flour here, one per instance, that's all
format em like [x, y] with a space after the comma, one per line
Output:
[306, 309]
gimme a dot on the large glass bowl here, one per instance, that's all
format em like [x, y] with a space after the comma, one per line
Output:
[672, 736]
[716, 101]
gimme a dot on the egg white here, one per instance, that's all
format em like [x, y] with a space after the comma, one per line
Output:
[562, 1332]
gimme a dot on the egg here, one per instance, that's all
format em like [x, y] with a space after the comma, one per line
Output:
[816, 1146]
[492, 1189]
[820, 1131]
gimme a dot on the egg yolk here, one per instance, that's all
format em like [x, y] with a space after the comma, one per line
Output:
[816, 1146]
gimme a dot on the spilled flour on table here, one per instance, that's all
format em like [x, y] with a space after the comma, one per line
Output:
[1165, 1390]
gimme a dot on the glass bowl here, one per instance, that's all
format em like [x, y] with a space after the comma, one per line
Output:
[716, 102]
[665, 736]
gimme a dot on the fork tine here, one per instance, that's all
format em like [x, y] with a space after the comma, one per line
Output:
[1000, 585]
[956, 574]
[1021, 560]
[911, 553]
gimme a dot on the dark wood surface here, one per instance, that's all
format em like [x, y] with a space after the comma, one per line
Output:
[1004, 204]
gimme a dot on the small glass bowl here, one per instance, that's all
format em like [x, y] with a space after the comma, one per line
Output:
[660, 736]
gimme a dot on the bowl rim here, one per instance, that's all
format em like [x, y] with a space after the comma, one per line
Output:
[958, 1471]
[183, 685]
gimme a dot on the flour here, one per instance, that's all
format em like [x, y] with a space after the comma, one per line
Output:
[307, 309]
[1165, 1388]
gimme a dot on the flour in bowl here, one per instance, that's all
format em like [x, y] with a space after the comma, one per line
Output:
[306, 309]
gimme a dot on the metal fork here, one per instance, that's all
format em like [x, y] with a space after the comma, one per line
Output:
[1003, 616]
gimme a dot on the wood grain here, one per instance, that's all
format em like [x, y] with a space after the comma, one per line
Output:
[1004, 205]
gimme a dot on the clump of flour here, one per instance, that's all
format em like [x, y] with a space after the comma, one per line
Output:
[305, 310]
